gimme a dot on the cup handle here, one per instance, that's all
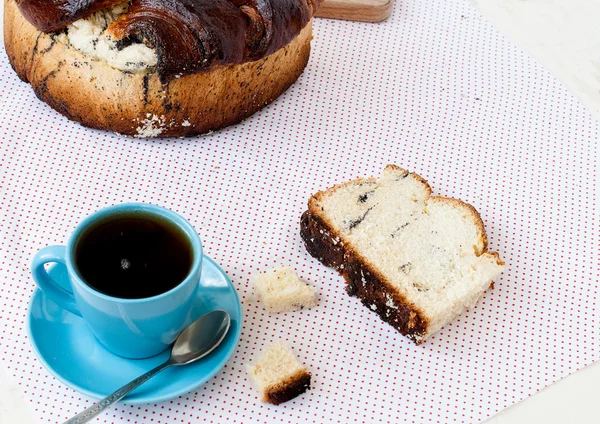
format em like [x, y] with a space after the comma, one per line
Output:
[48, 285]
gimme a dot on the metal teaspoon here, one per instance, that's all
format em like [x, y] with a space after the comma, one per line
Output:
[199, 339]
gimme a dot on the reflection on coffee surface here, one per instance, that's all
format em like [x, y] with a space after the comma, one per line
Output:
[133, 256]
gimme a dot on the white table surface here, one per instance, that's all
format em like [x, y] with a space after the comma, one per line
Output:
[564, 36]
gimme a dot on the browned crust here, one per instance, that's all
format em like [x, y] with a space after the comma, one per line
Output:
[362, 279]
[288, 389]
[327, 245]
[93, 93]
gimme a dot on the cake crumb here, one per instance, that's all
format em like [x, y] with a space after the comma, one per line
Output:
[278, 375]
[153, 126]
[281, 290]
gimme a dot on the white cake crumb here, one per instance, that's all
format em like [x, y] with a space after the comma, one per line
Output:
[281, 290]
[186, 123]
[390, 302]
[153, 126]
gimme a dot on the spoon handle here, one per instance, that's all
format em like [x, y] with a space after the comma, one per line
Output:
[89, 413]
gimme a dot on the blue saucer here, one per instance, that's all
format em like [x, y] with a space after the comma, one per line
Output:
[68, 349]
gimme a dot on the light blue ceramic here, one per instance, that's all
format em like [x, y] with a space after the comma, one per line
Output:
[65, 345]
[133, 328]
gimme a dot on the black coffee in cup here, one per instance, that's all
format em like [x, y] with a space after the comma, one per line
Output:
[133, 256]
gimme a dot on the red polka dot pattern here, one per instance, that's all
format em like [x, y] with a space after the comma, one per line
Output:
[435, 89]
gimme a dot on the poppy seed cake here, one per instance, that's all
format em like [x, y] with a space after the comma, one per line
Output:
[418, 261]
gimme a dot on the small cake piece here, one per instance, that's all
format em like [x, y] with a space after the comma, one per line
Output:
[281, 290]
[278, 375]
[416, 260]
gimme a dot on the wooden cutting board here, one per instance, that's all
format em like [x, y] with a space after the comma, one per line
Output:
[356, 10]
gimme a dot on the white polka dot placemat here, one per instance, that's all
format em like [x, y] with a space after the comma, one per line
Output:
[437, 90]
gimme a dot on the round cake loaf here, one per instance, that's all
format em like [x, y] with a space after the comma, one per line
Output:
[158, 68]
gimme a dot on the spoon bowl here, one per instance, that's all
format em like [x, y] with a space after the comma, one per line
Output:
[200, 338]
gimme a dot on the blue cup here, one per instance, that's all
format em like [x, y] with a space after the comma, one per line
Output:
[133, 328]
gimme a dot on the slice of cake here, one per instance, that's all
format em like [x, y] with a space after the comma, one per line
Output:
[278, 375]
[281, 290]
[417, 261]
